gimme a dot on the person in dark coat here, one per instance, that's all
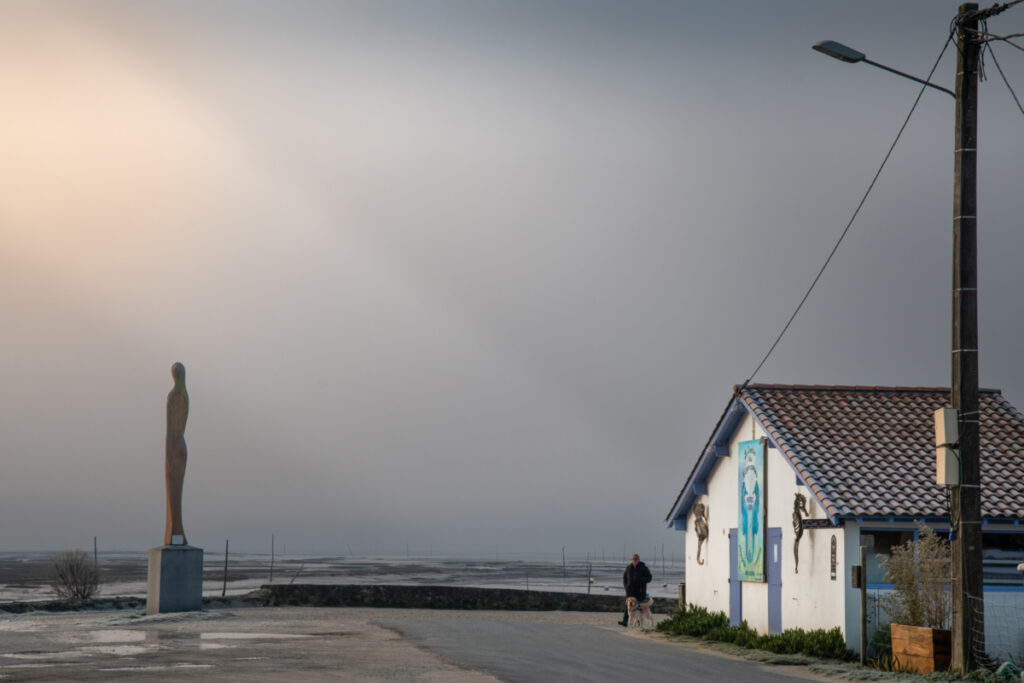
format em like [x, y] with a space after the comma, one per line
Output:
[635, 580]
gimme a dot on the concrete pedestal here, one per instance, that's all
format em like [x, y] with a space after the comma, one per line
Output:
[175, 581]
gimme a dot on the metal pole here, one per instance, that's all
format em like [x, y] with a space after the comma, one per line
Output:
[224, 591]
[967, 602]
[863, 607]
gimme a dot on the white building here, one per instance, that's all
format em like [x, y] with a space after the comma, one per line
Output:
[863, 458]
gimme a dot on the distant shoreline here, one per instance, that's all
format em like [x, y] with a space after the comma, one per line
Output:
[26, 577]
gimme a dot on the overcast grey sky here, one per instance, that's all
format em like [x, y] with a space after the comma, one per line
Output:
[460, 275]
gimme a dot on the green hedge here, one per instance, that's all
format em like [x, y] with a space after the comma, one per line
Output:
[700, 623]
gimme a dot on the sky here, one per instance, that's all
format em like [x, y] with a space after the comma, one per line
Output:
[461, 277]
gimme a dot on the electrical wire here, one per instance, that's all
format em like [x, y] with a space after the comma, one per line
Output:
[995, 9]
[992, 54]
[852, 218]
[987, 37]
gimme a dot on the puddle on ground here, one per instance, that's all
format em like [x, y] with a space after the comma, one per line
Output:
[243, 636]
[160, 667]
[117, 635]
[70, 654]
[116, 650]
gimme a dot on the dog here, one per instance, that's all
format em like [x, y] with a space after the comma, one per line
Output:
[640, 612]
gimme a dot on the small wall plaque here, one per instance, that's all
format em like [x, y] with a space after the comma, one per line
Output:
[833, 563]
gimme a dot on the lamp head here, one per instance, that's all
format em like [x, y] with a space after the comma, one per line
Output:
[839, 51]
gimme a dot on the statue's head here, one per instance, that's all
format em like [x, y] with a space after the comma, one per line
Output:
[178, 373]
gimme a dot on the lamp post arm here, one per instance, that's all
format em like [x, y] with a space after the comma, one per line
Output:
[913, 78]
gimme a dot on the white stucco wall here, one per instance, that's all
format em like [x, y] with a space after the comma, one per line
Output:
[810, 599]
[708, 584]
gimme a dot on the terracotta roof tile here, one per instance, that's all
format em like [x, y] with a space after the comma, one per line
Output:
[870, 450]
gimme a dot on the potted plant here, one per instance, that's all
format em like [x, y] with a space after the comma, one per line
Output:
[919, 604]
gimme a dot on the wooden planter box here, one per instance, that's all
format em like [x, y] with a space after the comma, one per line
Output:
[921, 649]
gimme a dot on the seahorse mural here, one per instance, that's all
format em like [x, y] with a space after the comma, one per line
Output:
[700, 525]
[799, 504]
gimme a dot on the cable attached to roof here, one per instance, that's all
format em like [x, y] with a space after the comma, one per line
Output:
[853, 217]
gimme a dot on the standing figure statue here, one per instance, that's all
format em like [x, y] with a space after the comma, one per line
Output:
[700, 525]
[799, 504]
[177, 455]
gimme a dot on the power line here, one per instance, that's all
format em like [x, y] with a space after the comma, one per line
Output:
[982, 14]
[992, 54]
[991, 37]
[855, 213]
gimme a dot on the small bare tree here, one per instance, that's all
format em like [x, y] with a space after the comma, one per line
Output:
[919, 574]
[76, 576]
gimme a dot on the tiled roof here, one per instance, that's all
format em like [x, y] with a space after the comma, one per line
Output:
[870, 451]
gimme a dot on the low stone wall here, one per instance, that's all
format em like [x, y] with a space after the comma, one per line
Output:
[72, 605]
[410, 597]
[443, 597]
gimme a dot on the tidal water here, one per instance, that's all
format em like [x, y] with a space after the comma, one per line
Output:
[27, 576]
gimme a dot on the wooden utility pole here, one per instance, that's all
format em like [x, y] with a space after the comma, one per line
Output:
[965, 505]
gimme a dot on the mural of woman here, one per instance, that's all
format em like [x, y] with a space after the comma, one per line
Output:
[751, 502]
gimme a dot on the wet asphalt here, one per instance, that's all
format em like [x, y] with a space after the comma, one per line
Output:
[354, 644]
[532, 652]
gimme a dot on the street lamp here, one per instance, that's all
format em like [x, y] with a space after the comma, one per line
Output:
[851, 56]
[967, 589]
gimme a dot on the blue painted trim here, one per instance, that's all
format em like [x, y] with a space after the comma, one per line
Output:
[708, 460]
[988, 587]
[1000, 521]
[721, 451]
[679, 524]
[800, 482]
[902, 526]
[993, 525]
[771, 444]
[700, 488]
[894, 519]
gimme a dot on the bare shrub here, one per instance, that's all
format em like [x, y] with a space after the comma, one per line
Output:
[76, 576]
[919, 574]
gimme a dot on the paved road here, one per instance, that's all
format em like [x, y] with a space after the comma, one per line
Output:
[537, 652]
[353, 644]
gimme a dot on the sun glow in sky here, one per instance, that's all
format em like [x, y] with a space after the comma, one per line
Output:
[462, 275]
